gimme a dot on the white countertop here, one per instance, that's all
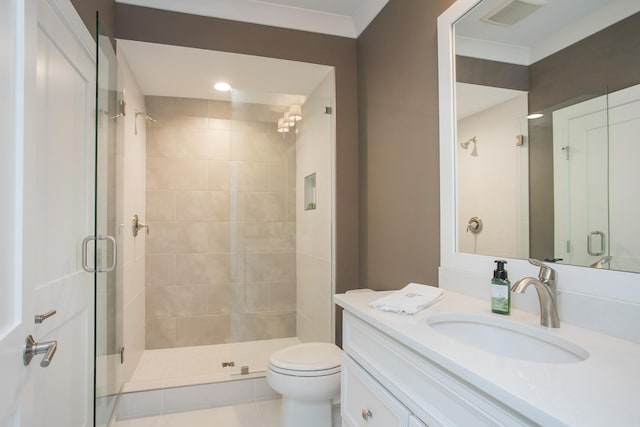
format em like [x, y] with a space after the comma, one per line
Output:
[603, 390]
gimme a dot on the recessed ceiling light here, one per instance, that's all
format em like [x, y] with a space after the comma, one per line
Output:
[534, 116]
[222, 87]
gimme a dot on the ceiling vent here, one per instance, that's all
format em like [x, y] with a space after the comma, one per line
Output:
[512, 11]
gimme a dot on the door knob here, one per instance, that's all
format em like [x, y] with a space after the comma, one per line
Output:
[33, 348]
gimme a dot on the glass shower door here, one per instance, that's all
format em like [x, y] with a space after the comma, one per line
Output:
[281, 205]
[262, 201]
[110, 108]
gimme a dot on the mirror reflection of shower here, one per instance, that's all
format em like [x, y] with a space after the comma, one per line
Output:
[474, 141]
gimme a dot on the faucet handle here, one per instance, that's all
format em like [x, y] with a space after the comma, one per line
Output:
[546, 273]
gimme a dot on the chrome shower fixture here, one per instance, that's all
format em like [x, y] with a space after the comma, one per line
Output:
[146, 117]
[465, 144]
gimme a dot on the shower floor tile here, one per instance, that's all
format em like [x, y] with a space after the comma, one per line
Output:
[174, 367]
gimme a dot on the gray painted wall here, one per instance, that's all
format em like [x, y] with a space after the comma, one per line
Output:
[399, 163]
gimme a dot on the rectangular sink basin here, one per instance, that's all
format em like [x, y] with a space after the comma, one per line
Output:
[507, 338]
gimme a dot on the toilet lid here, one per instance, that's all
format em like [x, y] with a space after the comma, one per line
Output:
[307, 357]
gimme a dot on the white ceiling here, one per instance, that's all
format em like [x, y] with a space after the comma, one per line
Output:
[346, 18]
[164, 70]
[556, 25]
[471, 99]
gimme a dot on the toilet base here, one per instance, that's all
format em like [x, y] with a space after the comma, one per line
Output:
[310, 413]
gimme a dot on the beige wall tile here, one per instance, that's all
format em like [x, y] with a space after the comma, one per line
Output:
[282, 235]
[203, 144]
[251, 176]
[176, 106]
[290, 205]
[180, 121]
[172, 237]
[262, 326]
[160, 270]
[219, 299]
[176, 174]
[202, 206]
[160, 333]
[218, 175]
[210, 269]
[219, 124]
[254, 236]
[277, 176]
[255, 146]
[161, 205]
[203, 330]
[237, 298]
[219, 109]
[256, 297]
[282, 296]
[162, 142]
[207, 242]
[269, 267]
[262, 207]
[176, 301]
[219, 237]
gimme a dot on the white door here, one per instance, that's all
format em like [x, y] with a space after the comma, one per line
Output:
[580, 141]
[624, 177]
[47, 158]
[595, 165]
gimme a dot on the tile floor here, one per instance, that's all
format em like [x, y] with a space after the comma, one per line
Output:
[190, 378]
[252, 414]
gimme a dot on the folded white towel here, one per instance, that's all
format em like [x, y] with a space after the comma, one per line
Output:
[410, 299]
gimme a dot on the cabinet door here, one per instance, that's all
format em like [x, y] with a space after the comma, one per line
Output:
[365, 402]
[415, 422]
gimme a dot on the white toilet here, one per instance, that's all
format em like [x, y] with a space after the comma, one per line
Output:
[308, 378]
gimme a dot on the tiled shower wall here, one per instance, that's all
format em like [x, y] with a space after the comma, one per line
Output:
[221, 263]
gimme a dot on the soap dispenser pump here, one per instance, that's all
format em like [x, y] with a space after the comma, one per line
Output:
[500, 289]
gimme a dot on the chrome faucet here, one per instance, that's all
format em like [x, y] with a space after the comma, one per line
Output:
[601, 262]
[546, 285]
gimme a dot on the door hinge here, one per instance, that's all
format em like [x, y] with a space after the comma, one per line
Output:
[121, 355]
[328, 110]
[568, 246]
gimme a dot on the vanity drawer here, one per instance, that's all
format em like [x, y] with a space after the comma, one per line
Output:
[367, 403]
[431, 393]
[415, 422]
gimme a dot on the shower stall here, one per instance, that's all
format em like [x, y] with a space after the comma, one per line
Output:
[236, 259]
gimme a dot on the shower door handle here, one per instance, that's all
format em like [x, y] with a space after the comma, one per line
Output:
[114, 254]
[602, 243]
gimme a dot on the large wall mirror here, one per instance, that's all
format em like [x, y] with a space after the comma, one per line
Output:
[547, 135]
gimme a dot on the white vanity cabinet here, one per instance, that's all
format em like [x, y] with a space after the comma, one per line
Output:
[385, 383]
[415, 422]
[365, 402]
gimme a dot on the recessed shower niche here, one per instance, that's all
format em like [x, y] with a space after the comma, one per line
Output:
[310, 192]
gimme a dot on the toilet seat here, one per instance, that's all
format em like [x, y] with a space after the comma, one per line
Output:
[307, 360]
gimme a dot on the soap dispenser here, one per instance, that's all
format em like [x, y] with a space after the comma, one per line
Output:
[500, 289]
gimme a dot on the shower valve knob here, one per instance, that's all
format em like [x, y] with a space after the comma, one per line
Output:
[474, 225]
